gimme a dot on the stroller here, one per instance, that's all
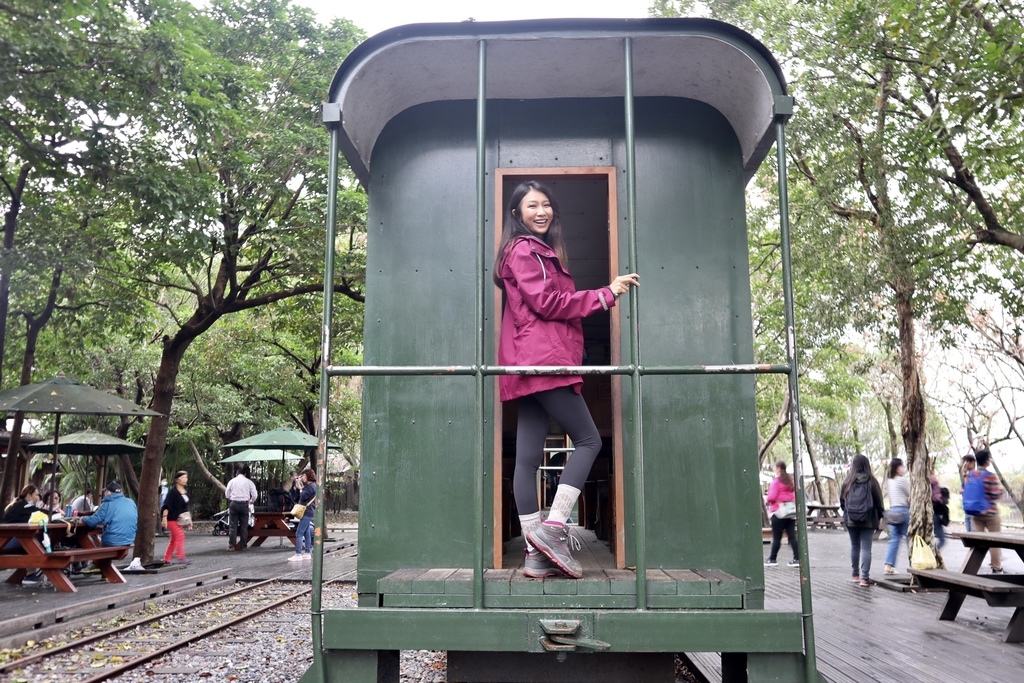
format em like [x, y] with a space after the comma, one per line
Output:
[221, 523]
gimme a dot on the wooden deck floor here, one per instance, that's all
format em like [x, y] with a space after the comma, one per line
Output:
[876, 634]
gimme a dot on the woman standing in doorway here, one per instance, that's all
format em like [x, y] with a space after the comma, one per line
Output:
[541, 326]
[175, 517]
[898, 517]
[304, 531]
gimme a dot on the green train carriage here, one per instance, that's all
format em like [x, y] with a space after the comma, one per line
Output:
[648, 132]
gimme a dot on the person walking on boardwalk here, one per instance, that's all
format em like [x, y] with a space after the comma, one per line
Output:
[898, 517]
[541, 326]
[982, 492]
[782, 510]
[241, 493]
[175, 517]
[304, 530]
[860, 497]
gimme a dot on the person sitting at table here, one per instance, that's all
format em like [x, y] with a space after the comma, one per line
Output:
[82, 505]
[20, 512]
[51, 504]
[241, 493]
[118, 515]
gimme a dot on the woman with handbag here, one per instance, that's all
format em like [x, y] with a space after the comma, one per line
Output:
[304, 531]
[176, 518]
[782, 512]
[898, 516]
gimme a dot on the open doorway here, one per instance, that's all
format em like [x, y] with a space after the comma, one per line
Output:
[587, 198]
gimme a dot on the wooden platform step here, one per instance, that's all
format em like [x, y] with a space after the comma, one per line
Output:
[605, 588]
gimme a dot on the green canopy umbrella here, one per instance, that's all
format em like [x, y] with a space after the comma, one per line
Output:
[90, 443]
[262, 455]
[61, 395]
[282, 437]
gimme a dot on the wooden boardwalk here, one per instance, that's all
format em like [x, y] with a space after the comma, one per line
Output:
[877, 634]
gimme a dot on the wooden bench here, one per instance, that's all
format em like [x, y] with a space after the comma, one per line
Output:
[55, 564]
[1005, 591]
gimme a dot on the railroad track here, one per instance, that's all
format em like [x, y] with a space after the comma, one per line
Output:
[107, 654]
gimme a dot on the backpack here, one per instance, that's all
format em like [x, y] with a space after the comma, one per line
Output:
[859, 503]
[975, 501]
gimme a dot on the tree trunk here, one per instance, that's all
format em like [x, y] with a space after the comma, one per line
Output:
[202, 468]
[913, 425]
[893, 444]
[781, 420]
[1006, 486]
[156, 441]
[11, 484]
[814, 463]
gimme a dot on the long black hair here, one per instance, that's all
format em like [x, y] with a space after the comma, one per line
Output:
[859, 465]
[513, 226]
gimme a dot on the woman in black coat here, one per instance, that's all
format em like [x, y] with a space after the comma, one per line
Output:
[861, 500]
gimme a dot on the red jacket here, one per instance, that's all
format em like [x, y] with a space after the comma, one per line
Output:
[541, 322]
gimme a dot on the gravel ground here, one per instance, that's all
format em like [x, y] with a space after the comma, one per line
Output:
[274, 649]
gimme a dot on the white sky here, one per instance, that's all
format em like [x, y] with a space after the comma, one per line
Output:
[373, 16]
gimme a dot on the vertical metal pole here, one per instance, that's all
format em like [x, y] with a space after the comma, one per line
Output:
[481, 224]
[325, 394]
[639, 513]
[810, 659]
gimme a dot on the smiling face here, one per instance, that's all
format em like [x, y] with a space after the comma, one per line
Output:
[536, 213]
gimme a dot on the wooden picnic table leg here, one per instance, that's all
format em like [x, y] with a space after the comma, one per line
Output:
[109, 571]
[61, 582]
[954, 601]
[1015, 629]
[972, 564]
[17, 576]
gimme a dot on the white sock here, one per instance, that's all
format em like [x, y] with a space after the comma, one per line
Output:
[561, 506]
[528, 522]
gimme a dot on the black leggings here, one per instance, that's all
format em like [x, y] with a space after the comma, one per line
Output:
[778, 526]
[570, 411]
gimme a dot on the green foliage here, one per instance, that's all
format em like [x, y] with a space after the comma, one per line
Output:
[902, 156]
[177, 172]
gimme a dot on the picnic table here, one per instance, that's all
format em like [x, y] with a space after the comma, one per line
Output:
[71, 541]
[998, 590]
[823, 516]
[269, 524]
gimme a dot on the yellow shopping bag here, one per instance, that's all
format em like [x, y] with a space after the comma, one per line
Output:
[922, 557]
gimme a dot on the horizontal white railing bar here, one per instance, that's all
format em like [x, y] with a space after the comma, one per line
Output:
[426, 370]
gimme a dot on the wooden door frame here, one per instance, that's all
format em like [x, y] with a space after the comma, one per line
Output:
[609, 173]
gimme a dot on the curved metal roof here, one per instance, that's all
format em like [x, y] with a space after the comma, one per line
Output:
[699, 59]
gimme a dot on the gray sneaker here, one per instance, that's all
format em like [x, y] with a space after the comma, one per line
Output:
[552, 539]
[539, 566]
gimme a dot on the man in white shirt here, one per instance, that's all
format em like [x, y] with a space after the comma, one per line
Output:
[241, 493]
[82, 505]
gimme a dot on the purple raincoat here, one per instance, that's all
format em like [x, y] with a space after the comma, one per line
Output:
[541, 322]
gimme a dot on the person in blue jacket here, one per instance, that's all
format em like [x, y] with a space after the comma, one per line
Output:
[118, 515]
